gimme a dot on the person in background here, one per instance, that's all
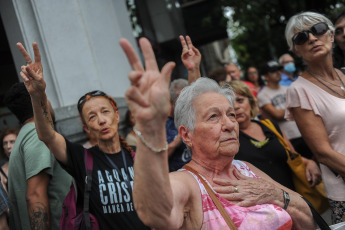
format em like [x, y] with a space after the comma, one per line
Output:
[260, 146]
[289, 68]
[7, 137]
[177, 151]
[112, 176]
[272, 102]
[316, 101]
[235, 73]
[339, 40]
[206, 121]
[129, 122]
[253, 76]
[4, 206]
[37, 185]
[220, 76]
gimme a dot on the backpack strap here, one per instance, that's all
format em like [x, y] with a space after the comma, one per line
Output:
[88, 159]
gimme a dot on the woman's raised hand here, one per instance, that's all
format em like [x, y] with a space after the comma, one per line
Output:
[190, 56]
[32, 72]
[148, 96]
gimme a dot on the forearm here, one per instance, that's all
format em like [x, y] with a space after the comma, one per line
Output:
[193, 75]
[43, 121]
[332, 159]
[173, 145]
[152, 192]
[39, 212]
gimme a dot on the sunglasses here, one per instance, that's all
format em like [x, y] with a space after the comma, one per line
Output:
[318, 29]
[95, 93]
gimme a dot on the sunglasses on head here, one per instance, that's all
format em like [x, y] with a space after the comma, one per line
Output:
[91, 94]
[318, 29]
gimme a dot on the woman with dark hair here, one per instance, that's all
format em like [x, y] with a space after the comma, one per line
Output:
[253, 76]
[110, 199]
[7, 137]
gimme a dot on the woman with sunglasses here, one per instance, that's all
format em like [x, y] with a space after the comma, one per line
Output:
[316, 101]
[253, 76]
[110, 199]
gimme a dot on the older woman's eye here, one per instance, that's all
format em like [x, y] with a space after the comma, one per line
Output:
[213, 116]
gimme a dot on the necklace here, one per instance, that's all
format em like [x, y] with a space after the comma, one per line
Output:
[342, 87]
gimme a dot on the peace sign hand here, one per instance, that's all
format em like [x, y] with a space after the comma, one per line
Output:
[148, 96]
[32, 73]
[190, 56]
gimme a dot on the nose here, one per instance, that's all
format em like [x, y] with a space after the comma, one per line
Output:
[101, 119]
[228, 125]
[312, 37]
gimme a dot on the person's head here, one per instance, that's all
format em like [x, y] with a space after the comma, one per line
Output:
[175, 89]
[8, 137]
[271, 72]
[220, 76]
[18, 101]
[245, 105]
[287, 61]
[205, 118]
[339, 39]
[309, 34]
[233, 70]
[99, 115]
[252, 74]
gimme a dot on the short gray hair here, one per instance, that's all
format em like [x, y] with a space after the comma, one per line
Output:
[280, 60]
[175, 87]
[303, 21]
[184, 111]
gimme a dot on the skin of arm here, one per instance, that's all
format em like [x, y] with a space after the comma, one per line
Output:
[276, 114]
[32, 75]
[315, 135]
[173, 145]
[3, 222]
[264, 190]
[37, 201]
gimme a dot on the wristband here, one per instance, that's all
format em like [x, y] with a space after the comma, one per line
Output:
[286, 199]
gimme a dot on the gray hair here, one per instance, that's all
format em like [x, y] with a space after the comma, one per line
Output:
[281, 57]
[184, 111]
[175, 87]
[303, 21]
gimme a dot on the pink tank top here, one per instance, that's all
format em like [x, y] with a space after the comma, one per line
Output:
[259, 217]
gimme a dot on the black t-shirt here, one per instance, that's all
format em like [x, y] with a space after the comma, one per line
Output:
[270, 158]
[111, 199]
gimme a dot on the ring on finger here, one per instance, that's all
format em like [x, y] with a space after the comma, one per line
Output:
[235, 189]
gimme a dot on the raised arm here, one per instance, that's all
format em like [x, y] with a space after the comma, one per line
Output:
[316, 137]
[32, 75]
[191, 58]
[158, 203]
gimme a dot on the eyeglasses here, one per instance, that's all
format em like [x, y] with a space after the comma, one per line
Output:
[318, 29]
[252, 72]
[95, 93]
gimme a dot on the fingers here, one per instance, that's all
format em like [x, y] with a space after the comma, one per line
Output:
[134, 77]
[166, 72]
[24, 77]
[149, 56]
[36, 52]
[133, 96]
[189, 42]
[183, 43]
[24, 53]
[226, 189]
[132, 57]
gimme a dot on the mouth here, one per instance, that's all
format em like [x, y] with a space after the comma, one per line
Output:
[315, 47]
[105, 130]
[232, 139]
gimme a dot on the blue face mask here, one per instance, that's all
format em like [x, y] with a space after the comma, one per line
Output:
[290, 68]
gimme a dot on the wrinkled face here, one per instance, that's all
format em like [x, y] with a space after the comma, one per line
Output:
[253, 74]
[8, 143]
[216, 129]
[340, 33]
[316, 47]
[242, 109]
[233, 71]
[101, 120]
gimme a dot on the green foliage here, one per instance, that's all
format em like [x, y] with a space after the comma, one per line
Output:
[259, 26]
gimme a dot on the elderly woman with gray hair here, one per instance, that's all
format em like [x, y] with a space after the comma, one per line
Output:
[316, 101]
[206, 121]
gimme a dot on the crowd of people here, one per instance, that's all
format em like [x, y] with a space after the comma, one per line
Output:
[201, 155]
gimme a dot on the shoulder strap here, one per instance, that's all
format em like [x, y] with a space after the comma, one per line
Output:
[88, 159]
[318, 219]
[215, 200]
[3, 173]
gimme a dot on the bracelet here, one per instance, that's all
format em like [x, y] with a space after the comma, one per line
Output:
[286, 199]
[147, 144]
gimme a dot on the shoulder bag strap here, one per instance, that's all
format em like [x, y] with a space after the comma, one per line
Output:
[88, 158]
[318, 219]
[215, 200]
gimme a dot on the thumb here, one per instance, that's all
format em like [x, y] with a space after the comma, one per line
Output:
[308, 175]
[167, 70]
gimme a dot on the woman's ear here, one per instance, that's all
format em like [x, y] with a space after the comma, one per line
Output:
[331, 34]
[186, 135]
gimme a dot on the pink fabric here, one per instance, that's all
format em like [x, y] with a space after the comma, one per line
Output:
[259, 217]
[306, 95]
